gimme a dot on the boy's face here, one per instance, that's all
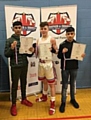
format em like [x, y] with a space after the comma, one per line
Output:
[17, 29]
[70, 36]
[44, 31]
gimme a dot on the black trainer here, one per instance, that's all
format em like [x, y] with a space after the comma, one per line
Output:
[62, 107]
[74, 103]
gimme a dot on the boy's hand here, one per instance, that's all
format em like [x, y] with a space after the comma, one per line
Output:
[31, 49]
[34, 45]
[83, 55]
[64, 50]
[13, 45]
[52, 50]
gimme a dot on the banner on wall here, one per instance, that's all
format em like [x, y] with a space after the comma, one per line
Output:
[30, 18]
[59, 18]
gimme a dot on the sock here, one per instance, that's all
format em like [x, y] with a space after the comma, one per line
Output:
[52, 98]
[45, 92]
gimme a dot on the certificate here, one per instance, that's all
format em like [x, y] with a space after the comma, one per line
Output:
[77, 50]
[44, 51]
[25, 44]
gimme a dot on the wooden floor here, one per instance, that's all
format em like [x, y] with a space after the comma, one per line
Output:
[39, 111]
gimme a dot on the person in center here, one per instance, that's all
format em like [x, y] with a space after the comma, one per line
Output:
[45, 67]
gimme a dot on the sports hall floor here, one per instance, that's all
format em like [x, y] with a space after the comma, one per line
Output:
[39, 111]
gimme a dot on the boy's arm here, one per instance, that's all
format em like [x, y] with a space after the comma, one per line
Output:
[33, 47]
[8, 52]
[54, 46]
[29, 55]
[60, 54]
[36, 48]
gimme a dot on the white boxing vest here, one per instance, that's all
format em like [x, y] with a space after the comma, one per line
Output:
[48, 63]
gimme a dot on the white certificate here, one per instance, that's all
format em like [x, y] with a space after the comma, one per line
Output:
[77, 50]
[44, 51]
[25, 44]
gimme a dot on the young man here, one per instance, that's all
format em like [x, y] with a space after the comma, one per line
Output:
[45, 68]
[69, 68]
[19, 66]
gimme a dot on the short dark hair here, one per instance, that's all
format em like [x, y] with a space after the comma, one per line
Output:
[70, 29]
[42, 24]
[17, 23]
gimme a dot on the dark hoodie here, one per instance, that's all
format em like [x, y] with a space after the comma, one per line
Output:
[67, 64]
[9, 53]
